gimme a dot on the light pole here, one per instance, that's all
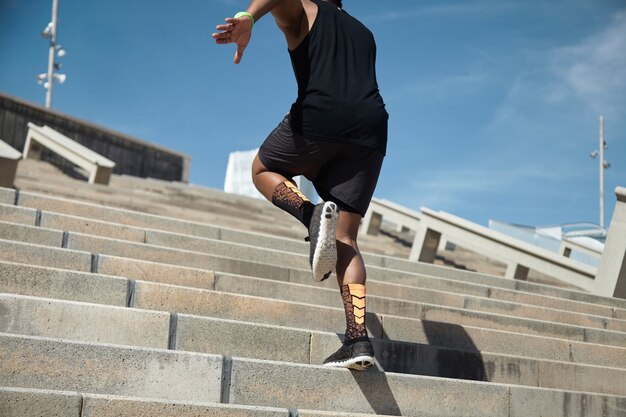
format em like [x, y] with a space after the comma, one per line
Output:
[48, 78]
[603, 165]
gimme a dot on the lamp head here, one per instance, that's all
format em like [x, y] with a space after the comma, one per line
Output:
[60, 78]
[47, 31]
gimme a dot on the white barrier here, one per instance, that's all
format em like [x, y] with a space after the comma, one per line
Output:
[611, 279]
[568, 246]
[403, 217]
[519, 256]
[98, 167]
[9, 158]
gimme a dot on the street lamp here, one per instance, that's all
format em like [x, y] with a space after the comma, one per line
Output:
[603, 165]
[49, 78]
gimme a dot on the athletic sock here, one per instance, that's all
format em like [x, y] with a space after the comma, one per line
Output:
[354, 304]
[287, 197]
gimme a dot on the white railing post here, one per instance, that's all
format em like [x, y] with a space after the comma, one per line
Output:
[611, 278]
[516, 271]
[371, 223]
[425, 245]
[9, 159]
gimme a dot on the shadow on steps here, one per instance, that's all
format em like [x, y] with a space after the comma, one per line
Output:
[376, 389]
[450, 352]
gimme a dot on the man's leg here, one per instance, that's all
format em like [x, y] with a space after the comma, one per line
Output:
[356, 352]
[350, 265]
[320, 220]
[282, 192]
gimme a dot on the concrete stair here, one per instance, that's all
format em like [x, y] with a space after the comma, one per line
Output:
[110, 311]
[187, 202]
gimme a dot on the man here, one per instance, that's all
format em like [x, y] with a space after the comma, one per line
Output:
[335, 134]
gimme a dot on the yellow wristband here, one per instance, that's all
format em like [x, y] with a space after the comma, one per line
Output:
[241, 14]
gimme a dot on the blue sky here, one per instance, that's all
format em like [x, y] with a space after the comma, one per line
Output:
[494, 104]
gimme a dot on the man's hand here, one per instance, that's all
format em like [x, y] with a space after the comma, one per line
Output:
[236, 31]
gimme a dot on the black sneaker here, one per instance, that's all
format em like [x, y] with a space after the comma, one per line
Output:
[358, 356]
[323, 254]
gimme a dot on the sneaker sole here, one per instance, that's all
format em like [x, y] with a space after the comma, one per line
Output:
[360, 363]
[325, 254]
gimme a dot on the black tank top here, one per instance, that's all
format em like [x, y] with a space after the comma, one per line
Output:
[335, 67]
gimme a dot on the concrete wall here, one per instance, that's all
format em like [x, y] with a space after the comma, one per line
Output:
[132, 156]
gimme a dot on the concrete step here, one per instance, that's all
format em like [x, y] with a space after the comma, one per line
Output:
[178, 226]
[140, 199]
[47, 317]
[85, 322]
[235, 338]
[247, 308]
[59, 221]
[158, 194]
[42, 281]
[63, 284]
[214, 214]
[102, 289]
[44, 363]
[299, 232]
[418, 310]
[17, 214]
[41, 171]
[44, 256]
[252, 253]
[409, 305]
[136, 218]
[396, 315]
[185, 196]
[151, 252]
[31, 254]
[395, 265]
[40, 363]
[386, 393]
[141, 186]
[7, 196]
[84, 225]
[21, 402]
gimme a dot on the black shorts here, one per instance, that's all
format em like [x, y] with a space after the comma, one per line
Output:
[342, 172]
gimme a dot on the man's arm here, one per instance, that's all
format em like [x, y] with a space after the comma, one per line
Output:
[290, 17]
[288, 13]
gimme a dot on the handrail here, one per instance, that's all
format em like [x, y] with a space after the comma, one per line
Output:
[8, 152]
[378, 209]
[507, 241]
[9, 159]
[72, 145]
[98, 167]
[519, 256]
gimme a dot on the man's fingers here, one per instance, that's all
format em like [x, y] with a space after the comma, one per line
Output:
[232, 33]
[222, 35]
[239, 53]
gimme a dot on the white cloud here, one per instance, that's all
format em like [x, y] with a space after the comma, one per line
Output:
[510, 114]
[590, 75]
[595, 69]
